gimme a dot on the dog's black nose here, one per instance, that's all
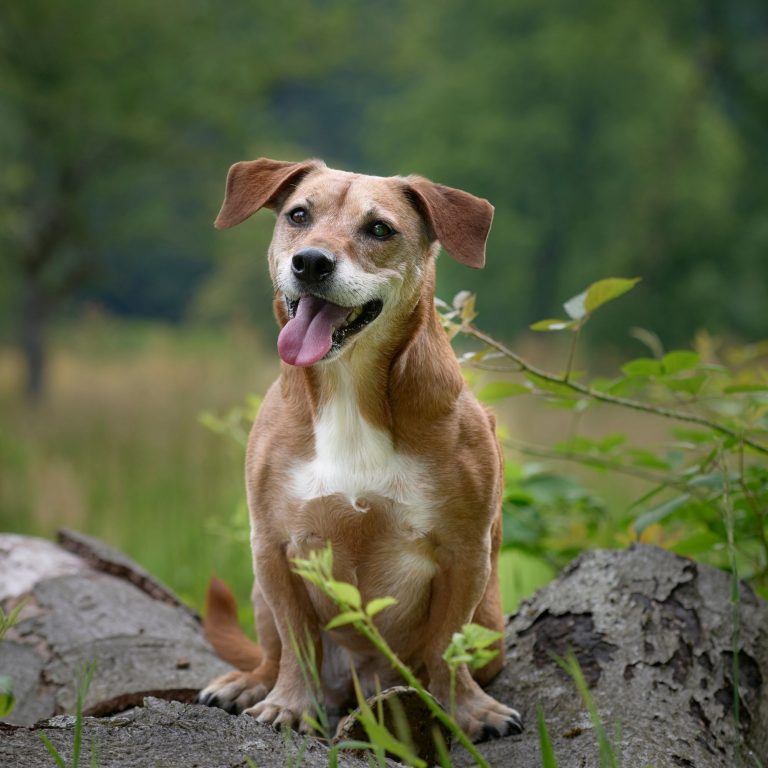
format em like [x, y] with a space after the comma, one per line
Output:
[311, 265]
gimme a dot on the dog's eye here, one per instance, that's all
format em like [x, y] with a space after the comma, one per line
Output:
[380, 230]
[299, 216]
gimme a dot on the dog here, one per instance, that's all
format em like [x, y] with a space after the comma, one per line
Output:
[369, 440]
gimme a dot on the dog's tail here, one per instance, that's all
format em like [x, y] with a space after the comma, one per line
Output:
[223, 630]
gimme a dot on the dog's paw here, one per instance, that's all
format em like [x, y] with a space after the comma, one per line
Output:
[235, 691]
[279, 710]
[481, 717]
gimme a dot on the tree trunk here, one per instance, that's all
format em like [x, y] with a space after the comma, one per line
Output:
[653, 634]
[32, 334]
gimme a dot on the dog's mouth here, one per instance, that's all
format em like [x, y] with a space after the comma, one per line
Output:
[316, 327]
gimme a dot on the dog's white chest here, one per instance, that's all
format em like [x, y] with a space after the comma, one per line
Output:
[358, 461]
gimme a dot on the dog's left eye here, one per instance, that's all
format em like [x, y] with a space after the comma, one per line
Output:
[298, 215]
[380, 230]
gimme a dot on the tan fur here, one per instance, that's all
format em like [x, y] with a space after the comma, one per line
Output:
[223, 630]
[430, 533]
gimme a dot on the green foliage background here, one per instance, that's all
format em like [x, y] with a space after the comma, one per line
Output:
[613, 139]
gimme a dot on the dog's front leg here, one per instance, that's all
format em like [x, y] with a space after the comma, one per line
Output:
[296, 622]
[456, 591]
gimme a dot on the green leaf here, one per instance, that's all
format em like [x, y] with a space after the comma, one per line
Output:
[481, 657]
[603, 291]
[7, 699]
[498, 390]
[642, 366]
[679, 360]
[689, 384]
[626, 387]
[310, 576]
[378, 604]
[553, 325]
[609, 442]
[714, 480]
[576, 444]
[478, 636]
[697, 543]
[736, 388]
[347, 617]
[642, 457]
[694, 435]
[550, 386]
[344, 593]
[659, 512]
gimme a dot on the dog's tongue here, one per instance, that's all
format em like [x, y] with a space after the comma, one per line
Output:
[306, 337]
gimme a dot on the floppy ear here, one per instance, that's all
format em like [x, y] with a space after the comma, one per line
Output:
[460, 221]
[255, 184]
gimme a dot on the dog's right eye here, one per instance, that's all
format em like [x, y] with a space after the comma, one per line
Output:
[298, 216]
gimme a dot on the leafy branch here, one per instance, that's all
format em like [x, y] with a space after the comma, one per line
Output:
[604, 397]
[726, 402]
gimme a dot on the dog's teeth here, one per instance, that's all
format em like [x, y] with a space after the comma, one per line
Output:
[354, 314]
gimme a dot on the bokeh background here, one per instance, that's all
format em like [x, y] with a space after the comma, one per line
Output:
[613, 138]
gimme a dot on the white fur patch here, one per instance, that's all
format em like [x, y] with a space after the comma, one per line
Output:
[358, 461]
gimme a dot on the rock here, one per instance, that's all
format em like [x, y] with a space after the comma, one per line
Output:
[75, 614]
[653, 634]
[167, 734]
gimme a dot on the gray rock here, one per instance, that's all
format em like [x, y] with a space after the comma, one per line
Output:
[142, 643]
[163, 734]
[653, 635]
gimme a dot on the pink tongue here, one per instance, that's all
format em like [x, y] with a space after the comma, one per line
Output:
[306, 337]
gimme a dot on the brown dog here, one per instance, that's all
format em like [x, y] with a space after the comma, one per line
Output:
[370, 440]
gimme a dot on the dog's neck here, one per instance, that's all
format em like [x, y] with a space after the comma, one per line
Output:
[411, 379]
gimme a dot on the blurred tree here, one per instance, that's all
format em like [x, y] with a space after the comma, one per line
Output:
[86, 89]
[120, 122]
[598, 134]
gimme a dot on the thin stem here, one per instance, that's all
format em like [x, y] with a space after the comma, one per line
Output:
[637, 405]
[757, 509]
[452, 695]
[572, 352]
[735, 591]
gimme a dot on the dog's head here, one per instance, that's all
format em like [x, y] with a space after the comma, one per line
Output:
[349, 251]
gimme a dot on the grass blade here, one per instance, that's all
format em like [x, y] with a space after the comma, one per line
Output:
[548, 759]
[53, 751]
